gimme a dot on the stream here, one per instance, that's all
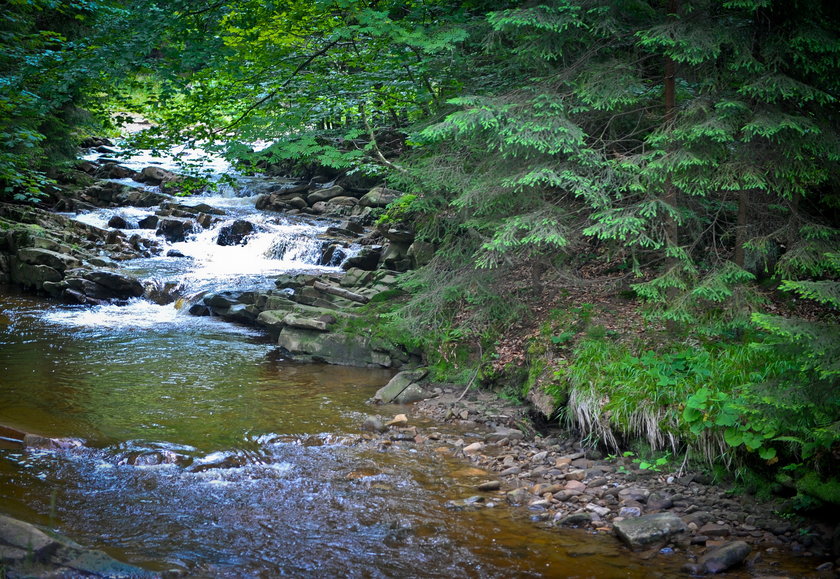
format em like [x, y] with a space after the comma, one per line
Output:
[265, 482]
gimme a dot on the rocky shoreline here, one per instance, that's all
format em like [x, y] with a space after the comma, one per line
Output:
[661, 512]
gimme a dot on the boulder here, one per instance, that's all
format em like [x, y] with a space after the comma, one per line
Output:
[197, 309]
[242, 313]
[421, 253]
[206, 220]
[53, 259]
[344, 201]
[357, 181]
[542, 401]
[27, 551]
[325, 194]
[35, 441]
[273, 320]
[93, 142]
[275, 202]
[379, 197]
[196, 209]
[297, 202]
[411, 393]
[366, 259]
[279, 307]
[352, 227]
[394, 252]
[398, 233]
[649, 530]
[104, 192]
[228, 299]
[139, 197]
[725, 557]
[114, 171]
[83, 291]
[399, 386]
[155, 176]
[32, 276]
[355, 277]
[173, 229]
[26, 537]
[119, 285]
[149, 222]
[235, 233]
[332, 255]
[117, 222]
[333, 348]
[319, 208]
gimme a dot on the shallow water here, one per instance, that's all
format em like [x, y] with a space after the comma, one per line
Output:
[267, 484]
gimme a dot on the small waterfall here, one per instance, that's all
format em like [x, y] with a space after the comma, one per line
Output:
[296, 246]
[236, 247]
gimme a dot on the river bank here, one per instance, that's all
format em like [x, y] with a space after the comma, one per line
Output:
[559, 483]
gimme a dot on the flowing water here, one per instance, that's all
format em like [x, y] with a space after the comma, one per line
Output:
[266, 484]
[262, 480]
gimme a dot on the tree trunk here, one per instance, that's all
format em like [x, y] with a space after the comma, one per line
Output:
[741, 228]
[670, 193]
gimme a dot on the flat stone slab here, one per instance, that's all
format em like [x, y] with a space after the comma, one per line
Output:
[333, 348]
[24, 536]
[306, 323]
[649, 530]
[27, 551]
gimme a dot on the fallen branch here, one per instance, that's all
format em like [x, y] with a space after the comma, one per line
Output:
[477, 368]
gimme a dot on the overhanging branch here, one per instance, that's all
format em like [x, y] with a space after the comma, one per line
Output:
[309, 59]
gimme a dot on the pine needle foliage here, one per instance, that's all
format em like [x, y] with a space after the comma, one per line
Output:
[583, 144]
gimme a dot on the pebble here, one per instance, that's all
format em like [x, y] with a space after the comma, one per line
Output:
[575, 520]
[576, 475]
[714, 530]
[539, 457]
[627, 512]
[473, 448]
[490, 485]
[398, 420]
[634, 494]
[519, 496]
[574, 485]
[597, 509]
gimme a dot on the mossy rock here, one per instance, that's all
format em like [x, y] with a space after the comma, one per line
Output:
[827, 491]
